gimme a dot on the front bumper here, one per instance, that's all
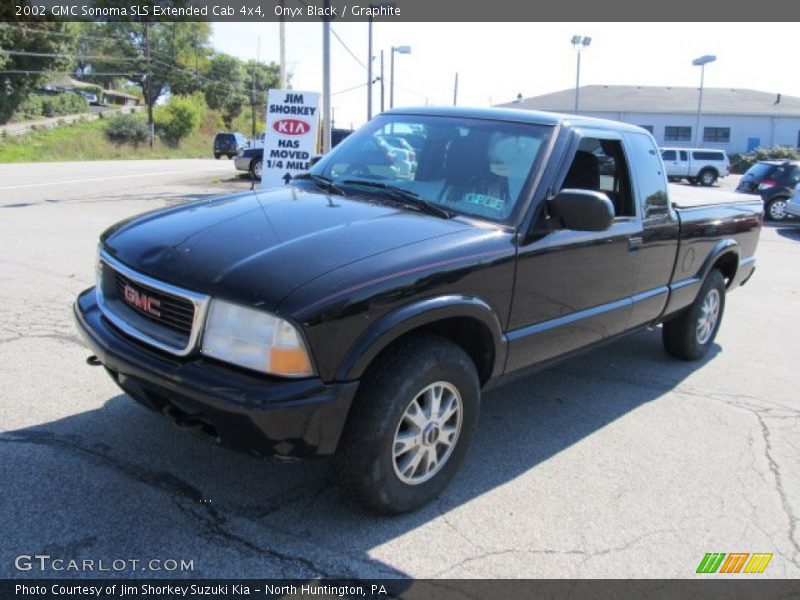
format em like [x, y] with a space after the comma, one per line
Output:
[257, 414]
[242, 163]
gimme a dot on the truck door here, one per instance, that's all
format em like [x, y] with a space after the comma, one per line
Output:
[684, 164]
[670, 158]
[660, 230]
[574, 288]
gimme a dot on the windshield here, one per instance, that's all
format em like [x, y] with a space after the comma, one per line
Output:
[470, 166]
[759, 170]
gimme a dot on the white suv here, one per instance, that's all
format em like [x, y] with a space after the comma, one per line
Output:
[697, 165]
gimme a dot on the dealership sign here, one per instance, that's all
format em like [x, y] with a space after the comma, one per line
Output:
[291, 136]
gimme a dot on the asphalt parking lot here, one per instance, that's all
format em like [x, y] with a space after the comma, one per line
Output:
[620, 463]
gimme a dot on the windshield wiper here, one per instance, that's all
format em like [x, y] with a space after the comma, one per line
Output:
[324, 182]
[404, 196]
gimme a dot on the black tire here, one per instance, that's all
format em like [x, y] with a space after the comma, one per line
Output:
[230, 156]
[217, 155]
[365, 461]
[255, 168]
[776, 209]
[707, 177]
[682, 335]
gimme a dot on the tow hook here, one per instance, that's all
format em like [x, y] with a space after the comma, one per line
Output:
[93, 361]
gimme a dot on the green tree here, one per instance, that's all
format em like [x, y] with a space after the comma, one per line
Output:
[22, 73]
[180, 117]
[156, 56]
[224, 86]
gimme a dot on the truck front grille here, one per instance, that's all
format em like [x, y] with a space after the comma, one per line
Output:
[154, 312]
[168, 310]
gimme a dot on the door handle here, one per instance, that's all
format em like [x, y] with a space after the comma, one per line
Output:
[634, 243]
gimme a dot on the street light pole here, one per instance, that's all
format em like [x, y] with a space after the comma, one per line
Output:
[326, 81]
[382, 83]
[579, 43]
[399, 50]
[701, 62]
[369, 71]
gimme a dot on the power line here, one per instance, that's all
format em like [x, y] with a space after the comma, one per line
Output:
[31, 72]
[350, 89]
[61, 55]
[350, 52]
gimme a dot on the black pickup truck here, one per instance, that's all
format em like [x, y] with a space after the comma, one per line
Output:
[361, 310]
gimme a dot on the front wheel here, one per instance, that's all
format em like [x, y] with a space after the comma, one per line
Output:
[690, 335]
[411, 424]
[776, 209]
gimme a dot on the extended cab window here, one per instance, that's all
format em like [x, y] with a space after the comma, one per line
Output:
[476, 167]
[600, 166]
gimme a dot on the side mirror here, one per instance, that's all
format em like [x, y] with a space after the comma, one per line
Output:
[314, 160]
[583, 210]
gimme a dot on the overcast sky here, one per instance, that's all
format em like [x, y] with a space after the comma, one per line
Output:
[496, 61]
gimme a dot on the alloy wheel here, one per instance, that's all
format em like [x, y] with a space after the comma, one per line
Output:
[427, 433]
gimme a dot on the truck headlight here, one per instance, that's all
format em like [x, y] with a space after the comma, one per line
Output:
[255, 339]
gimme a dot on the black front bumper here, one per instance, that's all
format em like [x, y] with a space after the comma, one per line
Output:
[257, 414]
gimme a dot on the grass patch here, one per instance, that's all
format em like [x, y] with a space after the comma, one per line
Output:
[85, 141]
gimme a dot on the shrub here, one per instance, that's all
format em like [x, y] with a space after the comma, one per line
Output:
[179, 118]
[126, 129]
[741, 162]
[63, 104]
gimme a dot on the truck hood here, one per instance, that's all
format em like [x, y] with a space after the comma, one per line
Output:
[256, 247]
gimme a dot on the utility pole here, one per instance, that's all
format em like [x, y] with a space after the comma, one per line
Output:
[391, 76]
[282, 37]
[326, 79]
[382, 83]
[253, 90]
[148, 85]
[455, 91]
[369, 70]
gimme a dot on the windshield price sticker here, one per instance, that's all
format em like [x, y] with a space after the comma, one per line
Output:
[291, 136]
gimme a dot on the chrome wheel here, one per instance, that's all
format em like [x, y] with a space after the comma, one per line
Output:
[427, 433]
[257, 169]
[708, 317]
[777, 210]
[708, 178]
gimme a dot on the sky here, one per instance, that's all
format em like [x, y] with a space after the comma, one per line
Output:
[497, 61]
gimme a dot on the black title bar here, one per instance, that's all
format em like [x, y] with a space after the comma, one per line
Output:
[387, 11]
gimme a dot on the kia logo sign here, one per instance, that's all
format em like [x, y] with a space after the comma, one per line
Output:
[291, 127]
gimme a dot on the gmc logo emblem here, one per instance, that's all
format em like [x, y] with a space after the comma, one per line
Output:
[141, 301]
[291, 127]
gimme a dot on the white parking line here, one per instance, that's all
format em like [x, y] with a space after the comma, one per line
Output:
[71, 181]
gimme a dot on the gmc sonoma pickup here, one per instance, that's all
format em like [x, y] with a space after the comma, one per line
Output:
[360, 310]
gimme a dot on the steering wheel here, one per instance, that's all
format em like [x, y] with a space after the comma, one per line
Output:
[358, 170]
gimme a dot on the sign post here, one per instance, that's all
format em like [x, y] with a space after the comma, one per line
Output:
[291, 137]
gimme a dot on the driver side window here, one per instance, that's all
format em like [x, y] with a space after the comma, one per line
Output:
[599, 165]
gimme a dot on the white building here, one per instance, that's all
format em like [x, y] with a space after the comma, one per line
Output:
[735, 120]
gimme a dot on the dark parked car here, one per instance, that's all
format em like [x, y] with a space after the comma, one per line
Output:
[229, 144]
[338, 135]
[251, 159]
[774, 181]
[359, 312]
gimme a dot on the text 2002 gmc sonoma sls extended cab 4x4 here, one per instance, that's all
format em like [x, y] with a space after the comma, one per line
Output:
[360, 310]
